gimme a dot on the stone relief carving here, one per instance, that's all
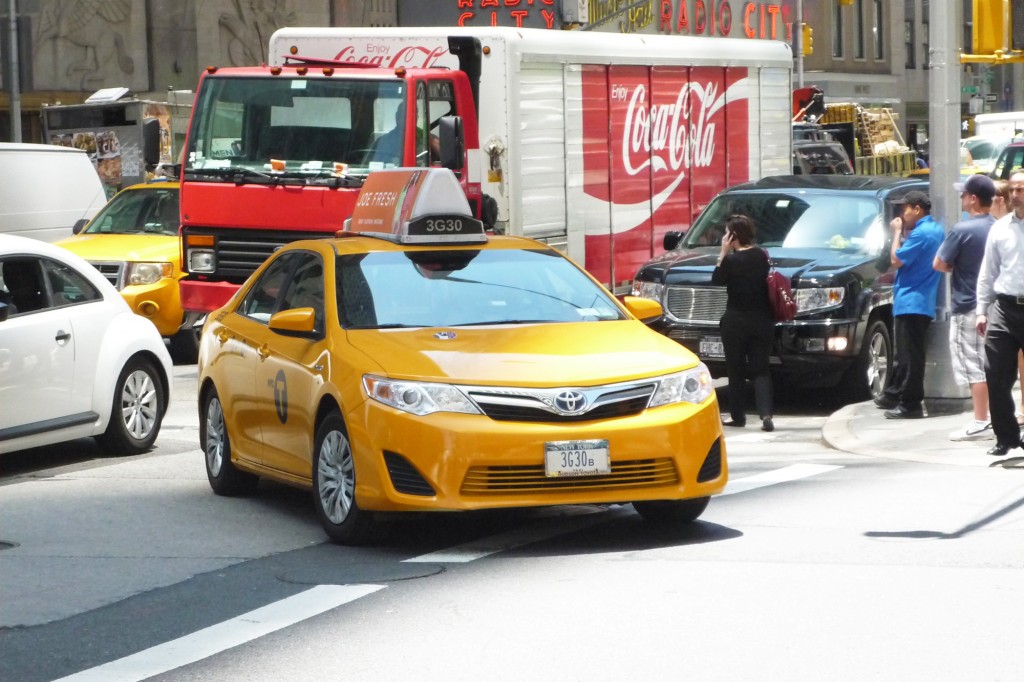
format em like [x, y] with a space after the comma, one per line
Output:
[245, 29]
[87, 42]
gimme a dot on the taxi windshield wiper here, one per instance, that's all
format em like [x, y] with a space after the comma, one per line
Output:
[482, 323]
[392, 325]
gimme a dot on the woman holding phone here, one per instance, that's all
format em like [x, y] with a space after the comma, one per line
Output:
[748, 325]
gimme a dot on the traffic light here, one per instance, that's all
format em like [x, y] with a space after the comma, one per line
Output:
[807, 39]
[846, 2]
[998, 26]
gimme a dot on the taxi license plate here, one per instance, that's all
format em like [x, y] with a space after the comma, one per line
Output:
[711, 347]
[566, 458]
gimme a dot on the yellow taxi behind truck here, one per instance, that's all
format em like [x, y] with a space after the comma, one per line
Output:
[415, 362]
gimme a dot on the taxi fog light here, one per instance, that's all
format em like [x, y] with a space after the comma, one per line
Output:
[818, 298]
[692, 386]
[838, 343]
[146, 273]
[418, 398]
[201, 260]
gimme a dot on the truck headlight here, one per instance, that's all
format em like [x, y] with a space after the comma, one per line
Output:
[202, 260]
[818, 298]
[417, 397]
[146, 273]
[690, 386]
[651, 290]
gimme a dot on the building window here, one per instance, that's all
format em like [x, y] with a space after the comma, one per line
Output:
[908, 38]
[878, 31]
[858, 39]
[926, 58]
[837, 32]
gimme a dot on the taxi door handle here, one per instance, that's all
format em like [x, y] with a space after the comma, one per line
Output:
[263, 351]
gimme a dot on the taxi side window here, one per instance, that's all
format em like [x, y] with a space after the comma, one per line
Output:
[261, 301]
[306, 288]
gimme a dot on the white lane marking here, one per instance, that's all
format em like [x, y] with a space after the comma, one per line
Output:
[222, 636]
[518, 537]
[784, 475]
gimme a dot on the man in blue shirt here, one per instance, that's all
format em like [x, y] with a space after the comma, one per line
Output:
[915, 241]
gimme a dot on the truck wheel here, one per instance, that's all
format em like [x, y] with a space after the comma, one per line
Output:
[334, 486]
[185, 347]
[224, 478]
[137, 410]
[870, 373]
[672, 512]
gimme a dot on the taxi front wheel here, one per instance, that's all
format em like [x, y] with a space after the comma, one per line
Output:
[225, 479]
[334, 486]
[674, 512]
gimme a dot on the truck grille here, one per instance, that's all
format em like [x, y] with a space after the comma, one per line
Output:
[705, 305]
[112, 271]
[240, 252]
[530, 480]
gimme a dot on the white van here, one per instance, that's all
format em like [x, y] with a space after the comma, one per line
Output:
[46, 189]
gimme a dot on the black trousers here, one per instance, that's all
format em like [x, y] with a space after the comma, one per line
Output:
[907, 385]
[747, 339]
[1004, 339]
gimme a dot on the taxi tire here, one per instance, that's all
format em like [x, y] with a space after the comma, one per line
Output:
[351, 526]
[672, 512]
[140, 390]
[227, 480]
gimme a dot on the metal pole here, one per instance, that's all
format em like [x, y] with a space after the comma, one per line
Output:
[798, 43]
[14, 86]
[944, 165]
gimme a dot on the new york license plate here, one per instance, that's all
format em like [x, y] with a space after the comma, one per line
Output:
[711, 347]
[576, 458]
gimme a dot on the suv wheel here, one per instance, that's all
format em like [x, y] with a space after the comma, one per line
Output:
[870, 373]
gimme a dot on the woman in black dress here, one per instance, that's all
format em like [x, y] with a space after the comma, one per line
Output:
[748, 324]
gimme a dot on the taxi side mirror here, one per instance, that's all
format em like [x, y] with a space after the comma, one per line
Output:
[644, 309]
[295, 322]
[79, 225]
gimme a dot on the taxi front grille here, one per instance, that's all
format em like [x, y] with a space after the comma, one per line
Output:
[515, 413]
[112, 271]
[530, 479]
[539, 405]
[696, 304]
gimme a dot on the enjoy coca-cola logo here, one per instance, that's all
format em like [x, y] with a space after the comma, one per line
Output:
[410, 56]
[673, 136]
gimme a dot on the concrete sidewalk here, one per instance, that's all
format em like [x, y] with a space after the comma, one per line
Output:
[862, 429]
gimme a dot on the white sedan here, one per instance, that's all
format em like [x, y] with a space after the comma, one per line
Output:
[75, 361]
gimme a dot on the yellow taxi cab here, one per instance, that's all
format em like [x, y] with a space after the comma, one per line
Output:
[415, 362]
[133, 242]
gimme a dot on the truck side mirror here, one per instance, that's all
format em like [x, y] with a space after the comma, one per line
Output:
[151, 142]
[453, 142]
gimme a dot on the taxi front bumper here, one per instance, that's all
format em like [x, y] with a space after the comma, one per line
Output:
[451, 461]
[159, 302]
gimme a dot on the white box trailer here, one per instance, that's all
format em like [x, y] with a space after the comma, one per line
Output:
[598, 143]
[1002, 125]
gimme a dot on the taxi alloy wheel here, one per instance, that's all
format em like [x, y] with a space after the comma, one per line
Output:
[334, 485]
[224, 478]
[137, 410]
[672, 512]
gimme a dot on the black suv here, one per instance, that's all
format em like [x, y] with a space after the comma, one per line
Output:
[830, 234]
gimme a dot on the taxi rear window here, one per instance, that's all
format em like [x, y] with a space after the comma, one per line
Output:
[440, 288]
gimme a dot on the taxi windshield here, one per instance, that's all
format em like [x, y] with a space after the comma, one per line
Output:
[466, 287]
[139, 211]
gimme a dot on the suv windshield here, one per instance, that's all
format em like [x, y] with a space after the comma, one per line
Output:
[841, 221]
[466, 287]
[308, 124]
[139, 211]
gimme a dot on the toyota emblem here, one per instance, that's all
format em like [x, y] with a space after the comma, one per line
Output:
[570, 402]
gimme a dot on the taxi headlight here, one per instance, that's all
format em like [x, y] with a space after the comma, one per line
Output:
[146, 273]
[202, 260]
[692, 386]
[417, 397]
[818, 298]
[651, 290]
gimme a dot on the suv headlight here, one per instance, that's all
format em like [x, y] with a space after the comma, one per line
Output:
[651, 290]
[417, 397]
[146, 273]
[690, 386]
[818, 298]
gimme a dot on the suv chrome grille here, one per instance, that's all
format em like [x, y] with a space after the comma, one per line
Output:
[696, 304]
[112, 271]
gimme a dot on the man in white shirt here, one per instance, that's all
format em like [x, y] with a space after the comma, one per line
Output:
[1000, 316]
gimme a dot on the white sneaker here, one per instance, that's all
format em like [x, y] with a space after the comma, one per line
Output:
[975, 430]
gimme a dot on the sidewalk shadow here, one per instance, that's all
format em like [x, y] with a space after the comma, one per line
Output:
[955, 535]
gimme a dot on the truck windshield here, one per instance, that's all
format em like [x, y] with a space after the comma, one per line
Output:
[836, 220]
[298, 125]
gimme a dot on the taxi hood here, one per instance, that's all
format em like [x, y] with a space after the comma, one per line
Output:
[566, 354]
[124, 247]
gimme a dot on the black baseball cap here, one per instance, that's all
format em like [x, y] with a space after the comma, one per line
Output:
[915, 197]
[979, 185]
